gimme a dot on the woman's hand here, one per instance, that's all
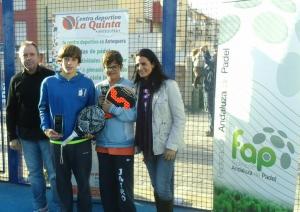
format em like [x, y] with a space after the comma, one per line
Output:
[169, 154]
[136, 150]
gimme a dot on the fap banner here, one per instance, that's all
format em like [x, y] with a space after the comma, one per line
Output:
[257, 113]
[94, 33]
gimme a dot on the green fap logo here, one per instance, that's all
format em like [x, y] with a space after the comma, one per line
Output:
[265, 156]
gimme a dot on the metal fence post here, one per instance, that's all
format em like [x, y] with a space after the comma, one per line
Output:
[169, 37]
[9, 70]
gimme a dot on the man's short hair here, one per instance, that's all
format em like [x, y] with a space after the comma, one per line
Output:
[28, 43]
[112, 56]
[69, 51]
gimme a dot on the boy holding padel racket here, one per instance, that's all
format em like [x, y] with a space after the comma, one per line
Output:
[115, 143]
[63, 96]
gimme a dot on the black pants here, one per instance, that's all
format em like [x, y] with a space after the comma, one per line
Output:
[77, 159]
[116, 182]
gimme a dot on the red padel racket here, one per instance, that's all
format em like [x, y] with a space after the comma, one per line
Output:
[121, 96]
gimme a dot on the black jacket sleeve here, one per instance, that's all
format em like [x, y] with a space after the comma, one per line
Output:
[11, 112]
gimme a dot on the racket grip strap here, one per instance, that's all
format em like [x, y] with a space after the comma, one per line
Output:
[61, 155]
[64, 143]
[70, 138]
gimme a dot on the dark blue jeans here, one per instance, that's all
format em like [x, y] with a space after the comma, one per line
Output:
[77, 159]
[161, 173]
[37, 155]
[116, 182]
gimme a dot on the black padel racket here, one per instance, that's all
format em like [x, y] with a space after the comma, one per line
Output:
[90, 120]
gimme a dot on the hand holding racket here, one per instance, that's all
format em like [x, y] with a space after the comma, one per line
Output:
[120, 96]
[90, 121]
[106, 105]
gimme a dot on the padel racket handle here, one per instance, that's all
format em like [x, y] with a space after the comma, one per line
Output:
[108, 116]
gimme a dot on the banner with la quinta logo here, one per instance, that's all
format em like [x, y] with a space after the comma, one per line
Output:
[94, 32]
[257, 113]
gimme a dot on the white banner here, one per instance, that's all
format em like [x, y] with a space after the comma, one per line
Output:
[257, 113]
[94, 33]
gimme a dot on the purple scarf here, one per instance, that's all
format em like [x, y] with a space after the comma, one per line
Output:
[143, 135]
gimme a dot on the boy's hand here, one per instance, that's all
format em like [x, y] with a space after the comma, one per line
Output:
[89, 136]
[15, 144]
[106, 105]
[101, 99]
[52, 134]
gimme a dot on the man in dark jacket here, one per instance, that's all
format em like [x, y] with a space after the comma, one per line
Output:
[23, 124]
[209, 82]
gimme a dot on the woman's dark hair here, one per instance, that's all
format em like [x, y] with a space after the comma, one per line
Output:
[157, 75]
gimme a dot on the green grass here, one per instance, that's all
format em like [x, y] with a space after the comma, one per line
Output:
[227, 200]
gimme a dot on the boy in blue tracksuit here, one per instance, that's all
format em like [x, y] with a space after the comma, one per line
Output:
[63, 96]
[115, 143]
